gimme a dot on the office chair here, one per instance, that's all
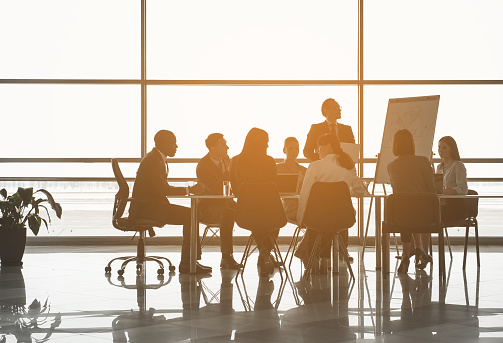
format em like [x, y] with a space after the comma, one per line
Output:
[329, 211]
[129, 224]
[411, 213]
[470, 220]
[259, 210]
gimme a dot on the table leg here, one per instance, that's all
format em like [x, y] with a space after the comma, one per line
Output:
[335, 255]
[378, 232]
[194, 228]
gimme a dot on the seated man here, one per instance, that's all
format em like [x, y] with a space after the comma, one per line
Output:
[211, 171]
[290, 165]
[151, 186]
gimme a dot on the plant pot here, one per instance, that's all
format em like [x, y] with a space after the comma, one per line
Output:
[12, 244]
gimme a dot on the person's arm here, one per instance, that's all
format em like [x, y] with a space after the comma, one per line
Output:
[204, 177]
[429, 178]
[309, 180]
[233, 176]
[356, 186]
[310, 146]
[461, 181]
[159, 184]
[349, 136]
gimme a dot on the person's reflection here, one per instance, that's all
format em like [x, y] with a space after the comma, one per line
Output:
[324, 314]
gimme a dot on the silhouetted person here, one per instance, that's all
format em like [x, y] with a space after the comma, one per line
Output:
[411, 174]
[255, 166]
[211, 171]
[332, 112]
[454, 178]
[151, 186]
[290, 165]
[334, 165]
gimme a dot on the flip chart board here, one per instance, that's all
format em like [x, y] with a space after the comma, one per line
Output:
[419, 116]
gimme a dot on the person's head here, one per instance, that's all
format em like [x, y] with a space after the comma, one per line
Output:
[256, 142]
[403, 143]
[291, 148]
[217, 145]
[448, 149]
[331, 110]
[165, 142]
[330, 144]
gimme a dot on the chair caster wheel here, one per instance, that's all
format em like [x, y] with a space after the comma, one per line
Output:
[160, 271]
[120, 278]
[160, 277]
[171, 274]
[108, 269]
[108, 275]
[120, 272]
[172, 268]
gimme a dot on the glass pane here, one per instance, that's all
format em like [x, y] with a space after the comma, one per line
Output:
[90, 39]
[192, 113]
[70, 120]
[263, 39]
[433, 39]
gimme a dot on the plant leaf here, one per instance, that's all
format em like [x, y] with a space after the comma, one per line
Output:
[54, 205]
[3, 193]
[46, 211]
[34, 222]
[26, 194]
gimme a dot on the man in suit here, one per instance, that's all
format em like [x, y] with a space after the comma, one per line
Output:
[151, 186]
[332, 112]
[211, 171]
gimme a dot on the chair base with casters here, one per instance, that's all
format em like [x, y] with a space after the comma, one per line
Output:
[140, 258]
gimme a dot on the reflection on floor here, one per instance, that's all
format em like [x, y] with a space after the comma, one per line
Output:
[62, 295]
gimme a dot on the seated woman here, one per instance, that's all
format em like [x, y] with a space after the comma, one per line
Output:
[334, 165]
[290, 165]
[254, 165]
[454, 180]
[411, 174]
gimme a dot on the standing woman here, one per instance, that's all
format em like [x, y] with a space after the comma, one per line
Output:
[255, 166]
[411, 174]
[454, 178]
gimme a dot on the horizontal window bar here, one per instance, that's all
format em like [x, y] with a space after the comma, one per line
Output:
[254, 82]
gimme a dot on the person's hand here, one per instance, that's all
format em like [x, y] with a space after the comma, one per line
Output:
[197, 189]
[450, 191]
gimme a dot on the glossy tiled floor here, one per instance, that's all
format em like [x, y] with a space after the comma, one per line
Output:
[77, 303]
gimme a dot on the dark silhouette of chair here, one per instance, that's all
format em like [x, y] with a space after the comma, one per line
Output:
[131, 224]
[329, 211]
[471, 211]
[412, 213]
[212, 229]
[259, 210]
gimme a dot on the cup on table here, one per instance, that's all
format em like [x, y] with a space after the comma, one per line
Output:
[227, 188]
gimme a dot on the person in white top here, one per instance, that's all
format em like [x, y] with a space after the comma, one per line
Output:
[334, 165]
[454, 178]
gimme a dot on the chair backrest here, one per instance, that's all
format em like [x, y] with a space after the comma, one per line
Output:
[412, 213]
[329, 207]
[259, 207]
[472, 205]
[121, 196]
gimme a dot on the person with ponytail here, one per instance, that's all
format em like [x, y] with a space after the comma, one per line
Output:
[334, 165]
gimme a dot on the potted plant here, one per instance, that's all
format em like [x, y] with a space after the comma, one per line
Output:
[18, 211]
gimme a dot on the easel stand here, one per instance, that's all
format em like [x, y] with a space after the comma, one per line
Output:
[370, 212]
